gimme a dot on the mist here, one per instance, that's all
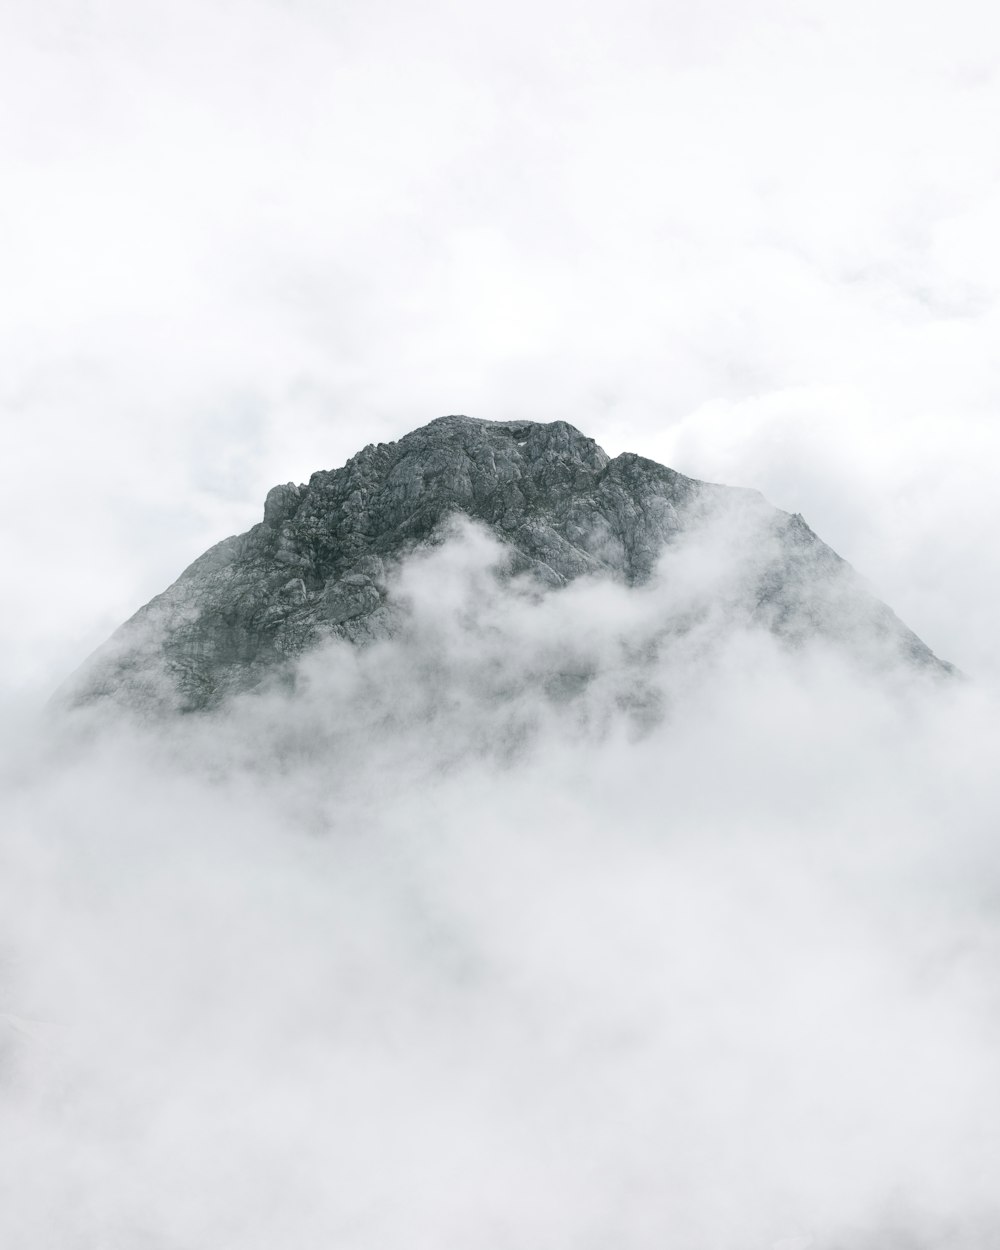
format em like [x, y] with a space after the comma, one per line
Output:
[535, 925]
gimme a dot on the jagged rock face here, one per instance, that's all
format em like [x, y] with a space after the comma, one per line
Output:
[321, 563]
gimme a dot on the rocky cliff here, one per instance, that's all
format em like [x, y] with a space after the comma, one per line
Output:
[322, 563]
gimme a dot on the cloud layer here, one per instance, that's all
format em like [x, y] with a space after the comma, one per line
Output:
[445, 948]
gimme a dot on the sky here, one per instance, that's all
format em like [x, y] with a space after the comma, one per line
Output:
[241, 241]
[428, 957]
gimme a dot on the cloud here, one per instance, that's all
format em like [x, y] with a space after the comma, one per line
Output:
[920, 540]
[442, 948]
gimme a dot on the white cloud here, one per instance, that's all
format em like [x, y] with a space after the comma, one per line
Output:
[441, 949]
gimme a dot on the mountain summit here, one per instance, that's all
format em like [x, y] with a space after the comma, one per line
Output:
[323, 562]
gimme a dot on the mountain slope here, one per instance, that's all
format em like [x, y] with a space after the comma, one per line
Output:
[322, 562]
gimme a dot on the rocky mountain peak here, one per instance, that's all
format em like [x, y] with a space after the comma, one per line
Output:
[321, 564]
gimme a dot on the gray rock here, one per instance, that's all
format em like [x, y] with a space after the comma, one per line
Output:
[320, 565]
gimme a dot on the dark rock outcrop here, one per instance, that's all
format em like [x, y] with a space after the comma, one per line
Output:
[321, 563]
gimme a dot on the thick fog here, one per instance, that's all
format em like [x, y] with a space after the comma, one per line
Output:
[532, 926]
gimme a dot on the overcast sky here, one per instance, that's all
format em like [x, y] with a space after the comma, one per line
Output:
[241, 240]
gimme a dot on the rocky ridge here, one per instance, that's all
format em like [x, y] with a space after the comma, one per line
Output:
[322, 562]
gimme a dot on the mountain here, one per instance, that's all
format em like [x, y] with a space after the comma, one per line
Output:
[323, 563]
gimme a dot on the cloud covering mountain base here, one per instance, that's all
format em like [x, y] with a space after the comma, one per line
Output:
[520, 929]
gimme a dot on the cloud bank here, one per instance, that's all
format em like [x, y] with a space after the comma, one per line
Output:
[516, 929]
